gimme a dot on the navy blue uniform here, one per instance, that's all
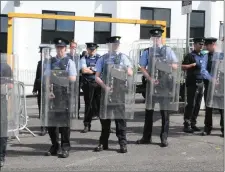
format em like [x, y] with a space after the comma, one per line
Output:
[206, 70]
[169, 56]
[194, 85]
[91, 90]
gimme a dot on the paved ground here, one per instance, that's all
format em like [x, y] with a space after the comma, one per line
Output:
[186, 152]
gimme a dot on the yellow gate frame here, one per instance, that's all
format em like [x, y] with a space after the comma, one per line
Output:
[11, 16]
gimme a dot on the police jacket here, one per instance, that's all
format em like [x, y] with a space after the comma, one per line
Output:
[194, 73]
[91, 62]
[37, 81]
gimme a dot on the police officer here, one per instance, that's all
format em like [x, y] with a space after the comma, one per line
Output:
[90, 88]
[210, 44]
[61, 62]
[74, 56]
[5, 81]
[121, 124]
[147, 133]
[194, 84]
[37, 87]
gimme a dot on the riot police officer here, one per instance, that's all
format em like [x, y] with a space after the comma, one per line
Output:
[207, 67]
[60, 71]
[194, 84]
[146, 59]
[90, 88]
[5, 82]
[37, 87]
[112, 57]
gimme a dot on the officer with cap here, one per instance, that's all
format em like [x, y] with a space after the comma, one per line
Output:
[170, 56]
[210, 44]
[61, 62]
[194, 83]
[37, 86]
[90, 88]
[112, 57]
[5, 81]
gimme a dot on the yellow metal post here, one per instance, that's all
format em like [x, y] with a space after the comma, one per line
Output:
[76, 18]
[90, 19]
[164, 33]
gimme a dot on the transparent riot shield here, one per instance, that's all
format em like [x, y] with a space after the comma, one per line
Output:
[9, 117]
[163, 85]
[57, 90]
[215, 94]
[118, 94]
[75, 57]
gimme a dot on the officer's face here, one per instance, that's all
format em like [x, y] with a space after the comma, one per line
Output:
[73, 48]
[61, 51]
[91, 52]
[156, 41]
[198, 46]
[113, 46]
[210, 47]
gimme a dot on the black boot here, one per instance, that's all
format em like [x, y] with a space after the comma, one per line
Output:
[43, 131]
[143, 141]
[52, 151]
[2, 162]
[206, 131]
[63, 154]
[195, 128]
[123, 149]
[85, 130]
[164, 143]
[188, 129]
[163, 138]
[101, 147]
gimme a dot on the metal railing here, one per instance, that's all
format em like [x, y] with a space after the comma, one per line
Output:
[21, 116]
[27, 76]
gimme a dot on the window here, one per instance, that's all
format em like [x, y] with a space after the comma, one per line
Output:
[197, 24]
[154, 14]
[102, 30]
[52, 29]
[3, 33]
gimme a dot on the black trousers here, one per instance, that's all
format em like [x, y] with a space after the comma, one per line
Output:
[147, 133]
[3, 145]
[79, 95]
[39, 102]
[121, 126]
[3, 127]
[92, 93]
[194, 99]
[65, 137]
[208, 115]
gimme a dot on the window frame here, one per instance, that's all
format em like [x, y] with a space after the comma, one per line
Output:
[3, 15]
[199, 27]
[56, 21]
[3, 35]
[153, 9]
[108, 15]
[48, 35]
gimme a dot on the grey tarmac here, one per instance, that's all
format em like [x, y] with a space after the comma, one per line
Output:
[186, 152]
